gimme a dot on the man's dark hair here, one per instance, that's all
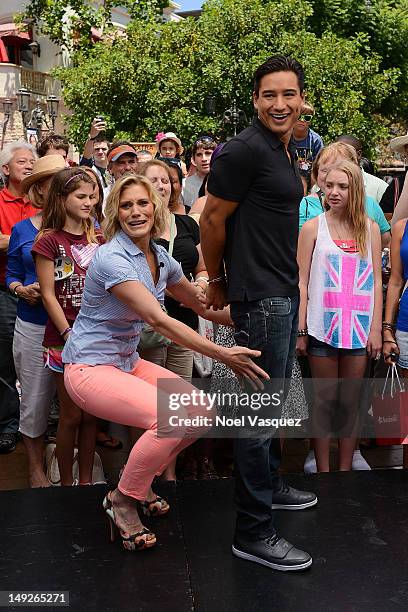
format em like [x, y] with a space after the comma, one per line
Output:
[101, 138]
[52, 141]
[118, 143]
[367, 165]
[351, 140]
[279, 63]
[203, 142]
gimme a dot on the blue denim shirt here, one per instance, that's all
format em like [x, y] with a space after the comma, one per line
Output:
[106, 330]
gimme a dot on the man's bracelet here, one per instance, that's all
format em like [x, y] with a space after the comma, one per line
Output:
[219, 279]
[203, 278]
[303, 332]
[14, 290]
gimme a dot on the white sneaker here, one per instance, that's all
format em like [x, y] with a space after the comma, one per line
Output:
[310, 466]
[359, 463]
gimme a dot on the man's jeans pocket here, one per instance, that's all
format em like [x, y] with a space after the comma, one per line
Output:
[278, 306]
[250, 324]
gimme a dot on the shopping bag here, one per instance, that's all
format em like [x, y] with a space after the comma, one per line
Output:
[202, 363]
[52, 471]
[390, 411]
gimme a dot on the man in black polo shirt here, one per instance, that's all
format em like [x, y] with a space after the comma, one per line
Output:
[250, 226]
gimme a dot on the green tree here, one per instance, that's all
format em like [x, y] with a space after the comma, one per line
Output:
[69, 23]
[382, 27]
[158, 77]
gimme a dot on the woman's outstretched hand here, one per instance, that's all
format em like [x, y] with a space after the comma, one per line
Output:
[238, 358]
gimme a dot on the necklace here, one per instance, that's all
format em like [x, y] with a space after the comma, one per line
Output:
[343, 244]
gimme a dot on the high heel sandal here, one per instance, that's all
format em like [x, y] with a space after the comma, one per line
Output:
[156, 507]
[135, 541]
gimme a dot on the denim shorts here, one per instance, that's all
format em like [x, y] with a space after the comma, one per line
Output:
[402, 341]
[316, 348]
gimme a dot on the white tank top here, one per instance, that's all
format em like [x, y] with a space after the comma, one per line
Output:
[340, 293]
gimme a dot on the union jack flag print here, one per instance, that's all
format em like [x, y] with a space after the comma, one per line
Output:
[347, 301]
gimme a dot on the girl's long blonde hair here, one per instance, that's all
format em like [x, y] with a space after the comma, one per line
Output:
[54, 216]
[356, 209]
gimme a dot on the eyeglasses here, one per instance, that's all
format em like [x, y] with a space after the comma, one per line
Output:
[307, 118]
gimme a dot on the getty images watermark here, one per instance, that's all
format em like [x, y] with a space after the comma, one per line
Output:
[303, 408]
[220, 413]
[210, 401]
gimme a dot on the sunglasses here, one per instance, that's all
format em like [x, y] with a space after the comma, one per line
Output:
[204, 140]
[307, 118]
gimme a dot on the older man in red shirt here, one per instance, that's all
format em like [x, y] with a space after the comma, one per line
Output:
[16, 162]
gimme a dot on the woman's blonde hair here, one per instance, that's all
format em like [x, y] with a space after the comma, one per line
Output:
[307, 108]
[144, 166]
[335, 151]
[356, 209]
[111, 223]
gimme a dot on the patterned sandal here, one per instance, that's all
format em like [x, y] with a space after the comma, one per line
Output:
[156, 507]
[135, 541]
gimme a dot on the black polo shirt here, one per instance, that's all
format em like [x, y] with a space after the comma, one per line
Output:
[254, 170]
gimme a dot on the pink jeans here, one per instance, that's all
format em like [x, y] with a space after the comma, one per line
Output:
[130, 398]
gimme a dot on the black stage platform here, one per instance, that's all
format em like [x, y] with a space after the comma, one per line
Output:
[57, 539]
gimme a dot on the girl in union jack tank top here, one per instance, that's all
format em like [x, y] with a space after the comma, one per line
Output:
[339, 256]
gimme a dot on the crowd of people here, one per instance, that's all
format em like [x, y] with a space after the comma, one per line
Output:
[109, 266]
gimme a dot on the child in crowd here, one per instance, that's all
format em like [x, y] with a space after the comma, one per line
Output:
[202, 152]
[339, 258]
[170, 147]
[63, 251]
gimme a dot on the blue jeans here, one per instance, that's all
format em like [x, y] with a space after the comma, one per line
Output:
[9, 401]
[268, 325]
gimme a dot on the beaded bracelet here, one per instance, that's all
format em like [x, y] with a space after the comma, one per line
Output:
[303, 332]
[388, 326]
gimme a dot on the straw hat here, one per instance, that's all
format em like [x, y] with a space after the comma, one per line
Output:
[398, 144]
[170, 136]
[43, 168]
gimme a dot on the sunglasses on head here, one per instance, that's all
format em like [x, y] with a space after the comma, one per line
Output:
[307, 118]
[204, 140]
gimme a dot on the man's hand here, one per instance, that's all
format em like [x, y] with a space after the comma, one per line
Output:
[97, 126]
[217, 295]
[29, 293]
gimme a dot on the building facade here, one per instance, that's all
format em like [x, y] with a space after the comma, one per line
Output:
[26, 61]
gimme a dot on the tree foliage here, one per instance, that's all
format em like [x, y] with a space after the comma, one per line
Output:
[158, 77]
[69, 23]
